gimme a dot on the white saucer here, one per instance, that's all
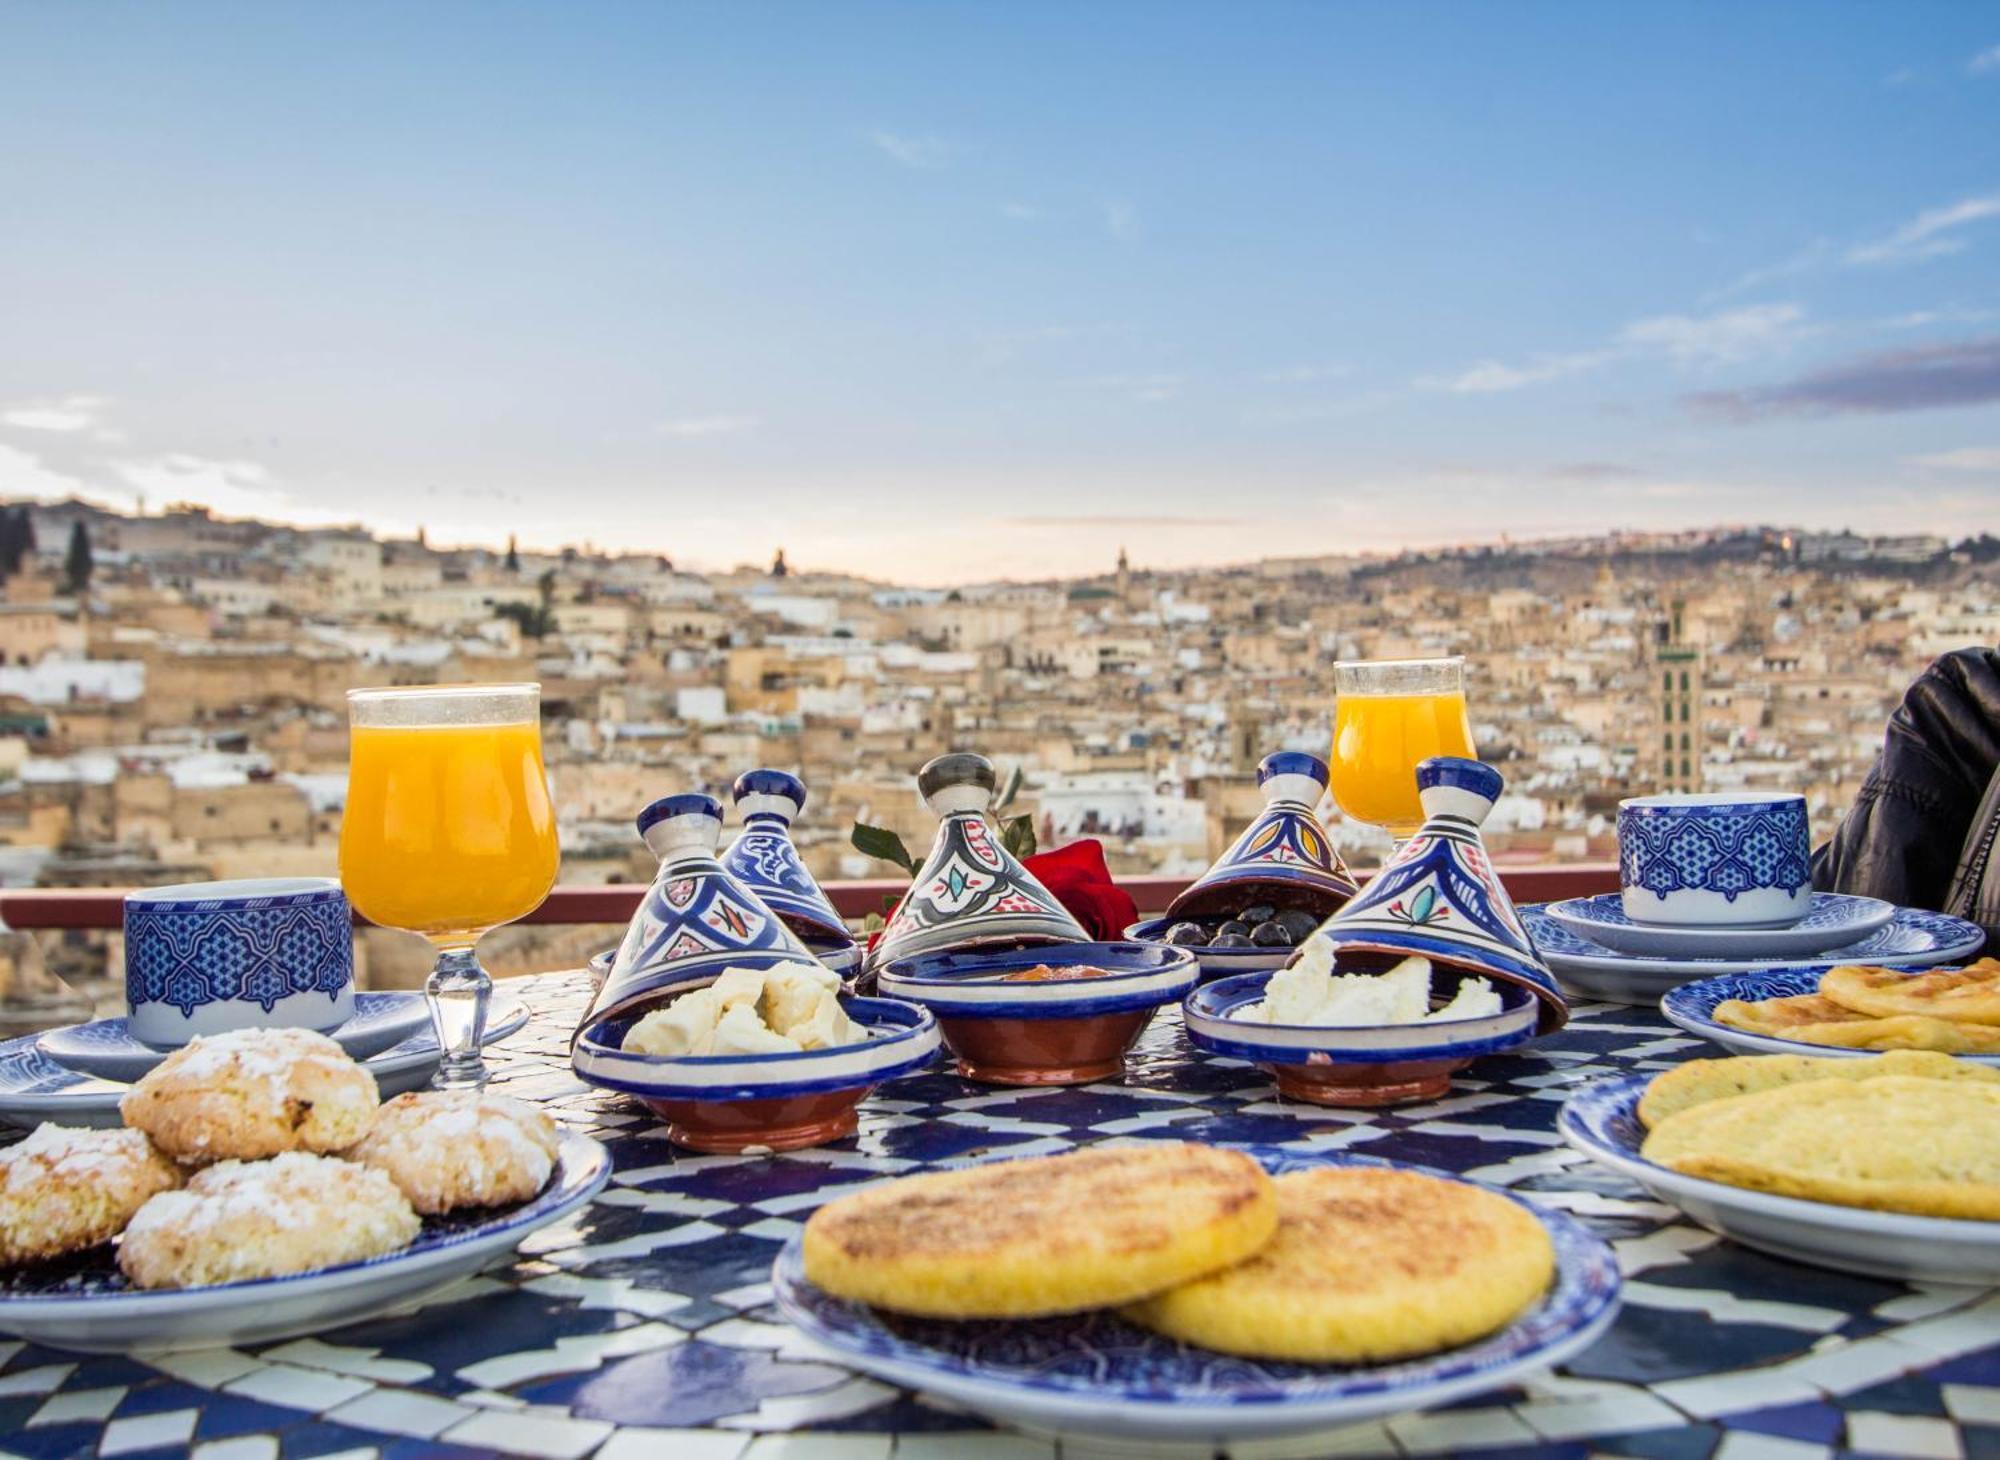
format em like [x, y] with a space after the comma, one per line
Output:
[105, 1047]
[1835, 921]
[34, 1088]
[83, 1303]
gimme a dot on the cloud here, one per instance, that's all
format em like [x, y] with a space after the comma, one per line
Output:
[1594, 471]
[230, 488]
[1490, 376]
[692, 426]
[1986, 61]
[59, 413]
[1731, 335]
[1932, 377]
[23, 474]
[1121, 219]
[1081, 520]
[1966, 458]
[926, 154]
[1930, 234]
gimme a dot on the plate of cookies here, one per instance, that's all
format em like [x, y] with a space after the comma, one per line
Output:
[1851, 1009]
[1888, 1167]
[1155, 1291]
[260, 1188]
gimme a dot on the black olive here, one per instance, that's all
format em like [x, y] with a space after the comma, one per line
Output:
[1230, 940]
[1187, 935]
[1235, 925]
[1261, 912]
[1272, 935]
[1296, 921]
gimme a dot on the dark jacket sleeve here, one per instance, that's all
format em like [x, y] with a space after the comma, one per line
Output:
[1901, 840]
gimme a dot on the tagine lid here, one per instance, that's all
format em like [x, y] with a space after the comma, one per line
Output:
[1439, 897]
[971, 892]
[696, 920]
[1284, 857]
[766, 859]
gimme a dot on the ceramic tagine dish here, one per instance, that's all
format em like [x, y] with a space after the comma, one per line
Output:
[970, 892]
[765, 859]
[1419, 975]
[1063, 1015]
[1279, 880]
[720, 1021]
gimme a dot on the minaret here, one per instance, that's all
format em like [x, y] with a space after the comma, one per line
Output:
[1124, 575]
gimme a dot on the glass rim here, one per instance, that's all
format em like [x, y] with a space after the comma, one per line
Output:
[440, 691]
[1441, 660]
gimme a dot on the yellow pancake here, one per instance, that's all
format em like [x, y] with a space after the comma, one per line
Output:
[1699, 1081]
[1367, 1265]
[1055, 1234]
[1899, 1144]
[1963, 995]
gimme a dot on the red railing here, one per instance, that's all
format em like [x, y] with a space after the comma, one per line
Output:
[56, 908]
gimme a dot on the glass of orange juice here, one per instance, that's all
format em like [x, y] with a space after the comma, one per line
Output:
[1389, 715]
[449, 832]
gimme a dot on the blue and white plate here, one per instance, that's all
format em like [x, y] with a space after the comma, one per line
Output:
[1602, 1121]
[1835, 921]
[84, 1303]
[1692, 1006]
[1098, 1376]
[35, 1088]
[1214, 962]
[105, 1047]
[1911, 939]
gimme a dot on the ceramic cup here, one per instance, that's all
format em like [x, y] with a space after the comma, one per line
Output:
[206, 957]
[1715, 859]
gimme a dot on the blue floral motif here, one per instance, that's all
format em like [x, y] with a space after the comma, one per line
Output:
[217, 950]
[1726, 848]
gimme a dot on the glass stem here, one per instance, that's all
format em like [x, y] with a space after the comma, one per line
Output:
[459, 989]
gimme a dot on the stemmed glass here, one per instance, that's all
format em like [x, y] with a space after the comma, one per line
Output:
[1389, 716]
[449, 832]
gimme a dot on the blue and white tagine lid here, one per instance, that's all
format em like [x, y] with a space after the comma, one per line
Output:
[1439, 897]
[696, 920]
[766, 860]
[970, 892]
[1284, 857]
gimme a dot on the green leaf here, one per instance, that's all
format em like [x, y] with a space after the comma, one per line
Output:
[873, 923]
[883, 845]
[1009, 789]
[1017, 835]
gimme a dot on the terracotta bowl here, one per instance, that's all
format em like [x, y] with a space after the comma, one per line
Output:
[762, 1102]
[1057, 1032]
[1395, 1064]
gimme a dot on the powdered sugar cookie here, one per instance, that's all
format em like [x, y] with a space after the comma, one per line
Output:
[460, 1148]
[65, 1190]
[253, 1093]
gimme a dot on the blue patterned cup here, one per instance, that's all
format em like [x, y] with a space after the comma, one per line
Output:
[1715, 859]
[206, 957]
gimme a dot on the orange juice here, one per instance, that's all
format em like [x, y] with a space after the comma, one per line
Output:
[1378, 741]
[448, 830]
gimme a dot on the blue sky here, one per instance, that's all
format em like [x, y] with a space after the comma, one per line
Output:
[939, 292]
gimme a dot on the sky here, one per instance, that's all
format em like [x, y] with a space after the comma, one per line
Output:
[941, 292]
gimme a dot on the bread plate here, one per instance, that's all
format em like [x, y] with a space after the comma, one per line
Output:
[1692, 1007]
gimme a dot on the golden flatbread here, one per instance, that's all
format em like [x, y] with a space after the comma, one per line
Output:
[1898, 1144]
[1053, 1234]
[1968, 995]
[1699, 1081]
[1782, 1017]
[1367, 1264]
[1817, 1019]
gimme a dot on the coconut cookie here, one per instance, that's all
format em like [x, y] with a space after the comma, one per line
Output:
[447, 1149]
[253, 1093]
[241, 1220]
[67, 1190]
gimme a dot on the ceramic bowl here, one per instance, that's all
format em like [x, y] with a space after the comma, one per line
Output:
[1395, 1064]
[266, 953]
[731, 1104]
[1214, 963]
[1715, 859]
[1061, 1032]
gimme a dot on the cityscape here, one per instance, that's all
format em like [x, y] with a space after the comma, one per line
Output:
[171, 686]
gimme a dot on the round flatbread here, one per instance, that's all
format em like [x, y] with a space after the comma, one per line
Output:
[1054, 1234]
[1895, 1144]
[1968, 995]
[1368, 1264]
[1817, 1019]
[1699, 1081]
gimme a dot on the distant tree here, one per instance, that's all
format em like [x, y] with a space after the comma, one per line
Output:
[546, 586]
[28, 543]
[14, 528]
[778, 568]
[513, 555]
[535, 623]
[78, 563]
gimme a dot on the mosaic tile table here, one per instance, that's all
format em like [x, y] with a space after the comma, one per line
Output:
[643, 1326]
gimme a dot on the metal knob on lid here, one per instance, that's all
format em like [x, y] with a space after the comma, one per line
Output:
[960, 781]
